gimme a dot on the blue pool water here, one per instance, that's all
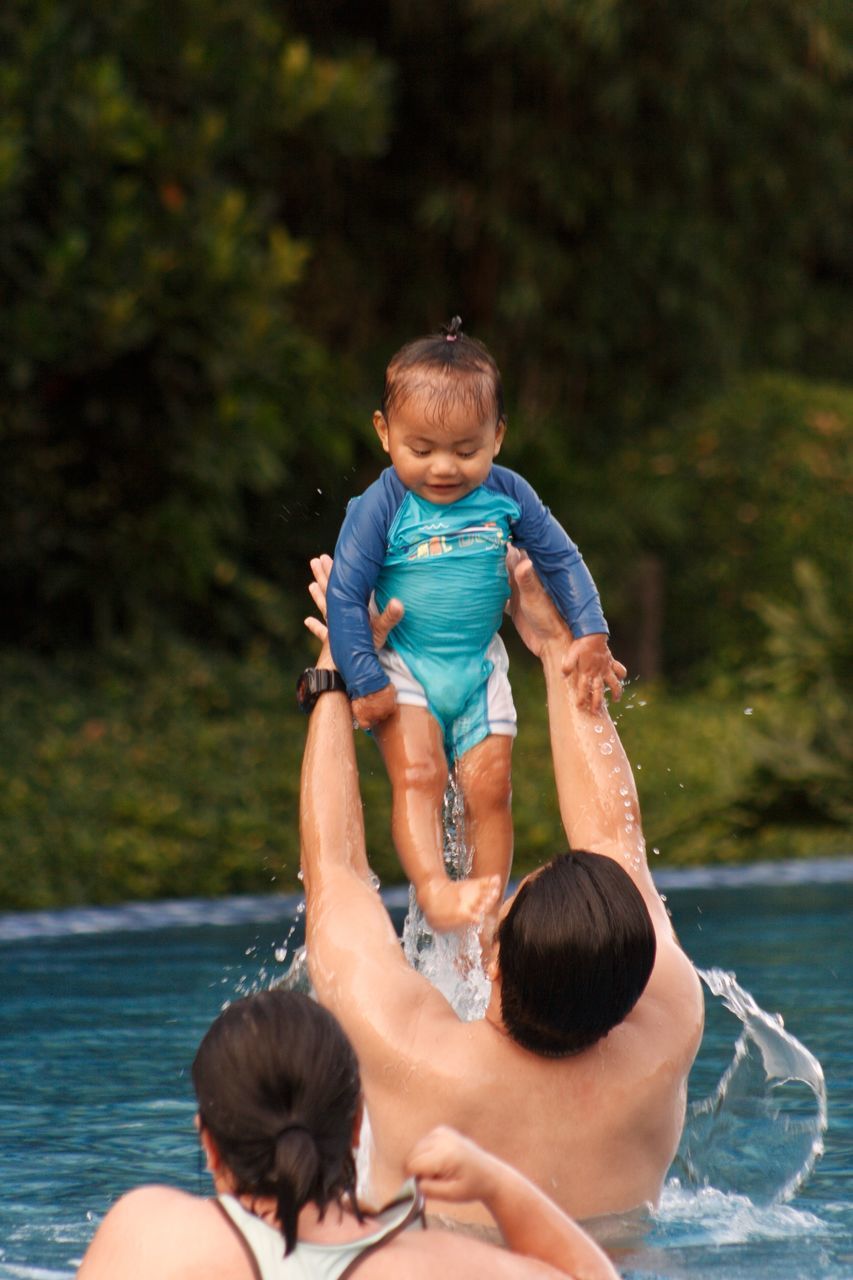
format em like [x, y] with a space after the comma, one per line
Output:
[100, 1015]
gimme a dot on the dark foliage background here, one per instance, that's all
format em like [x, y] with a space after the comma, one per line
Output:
[217, 221]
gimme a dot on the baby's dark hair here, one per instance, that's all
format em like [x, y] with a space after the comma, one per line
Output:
[576, 949]
[448, 368]
[278, 1090]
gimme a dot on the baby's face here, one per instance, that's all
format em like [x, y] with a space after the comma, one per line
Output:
[440, 461]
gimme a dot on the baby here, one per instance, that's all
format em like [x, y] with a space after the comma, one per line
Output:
[433, 531]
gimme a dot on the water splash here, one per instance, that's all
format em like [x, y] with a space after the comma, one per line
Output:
[267, 977]
[297, 977]
[452, 962]
[761, 1130]
[727, 1218]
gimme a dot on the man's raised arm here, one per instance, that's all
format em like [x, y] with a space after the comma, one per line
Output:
[598, 799]
[354, 956]
[330, 813]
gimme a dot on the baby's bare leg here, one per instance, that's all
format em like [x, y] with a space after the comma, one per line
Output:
[411, 745]
[485, 776]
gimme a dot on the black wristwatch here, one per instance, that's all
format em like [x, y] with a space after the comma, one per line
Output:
[313, 682]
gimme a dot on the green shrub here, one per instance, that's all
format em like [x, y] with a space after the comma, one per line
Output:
[729, 498]
[121, 780]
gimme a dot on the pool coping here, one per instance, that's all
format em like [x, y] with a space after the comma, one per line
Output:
[66, 922]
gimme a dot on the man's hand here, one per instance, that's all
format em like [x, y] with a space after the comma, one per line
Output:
[532, 609]
[374, 707]
[381, 624]
[540, 626]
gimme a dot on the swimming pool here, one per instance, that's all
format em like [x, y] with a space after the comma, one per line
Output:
[99, 1028]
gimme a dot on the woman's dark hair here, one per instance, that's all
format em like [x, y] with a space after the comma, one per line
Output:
[278, 1089]
[450, 368]
[576, 949]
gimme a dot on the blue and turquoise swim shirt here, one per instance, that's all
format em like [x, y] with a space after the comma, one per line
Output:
[448, 566]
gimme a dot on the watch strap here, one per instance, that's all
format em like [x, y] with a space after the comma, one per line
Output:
[316, 680]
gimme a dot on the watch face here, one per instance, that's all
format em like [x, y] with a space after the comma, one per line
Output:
[305, 693]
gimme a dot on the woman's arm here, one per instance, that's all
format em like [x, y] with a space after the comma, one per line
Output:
[450, 1167]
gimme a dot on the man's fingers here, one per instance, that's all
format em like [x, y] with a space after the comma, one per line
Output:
[321, 567]
[387, 621]
[523, 572]
[317, 628]
[318, 595]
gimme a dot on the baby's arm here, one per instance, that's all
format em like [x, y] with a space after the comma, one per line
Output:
[450, 1167]
[359, 556]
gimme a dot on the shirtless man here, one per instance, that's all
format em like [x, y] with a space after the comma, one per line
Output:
[592, 1109]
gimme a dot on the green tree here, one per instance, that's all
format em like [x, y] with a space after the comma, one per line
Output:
[735, 493]
[155, 384]
[803, 760]
[630, 202]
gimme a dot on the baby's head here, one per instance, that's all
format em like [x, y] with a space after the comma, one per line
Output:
[442, 419]
[441, 370]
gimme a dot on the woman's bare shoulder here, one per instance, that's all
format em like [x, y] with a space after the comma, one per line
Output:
[159, 1230]
[424, 1255]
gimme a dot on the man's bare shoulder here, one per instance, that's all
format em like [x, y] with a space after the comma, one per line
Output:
[669, 1018]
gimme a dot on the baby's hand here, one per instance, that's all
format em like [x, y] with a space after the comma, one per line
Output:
[450, 1167]
[594, 667]
[374, 707]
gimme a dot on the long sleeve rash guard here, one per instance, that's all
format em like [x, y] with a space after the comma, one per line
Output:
[448, 566]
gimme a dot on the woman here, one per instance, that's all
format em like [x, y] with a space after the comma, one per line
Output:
[279, 1113]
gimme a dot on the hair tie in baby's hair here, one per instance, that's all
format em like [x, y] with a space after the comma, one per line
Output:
[453, 330]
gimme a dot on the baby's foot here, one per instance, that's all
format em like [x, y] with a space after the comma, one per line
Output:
[453, 904]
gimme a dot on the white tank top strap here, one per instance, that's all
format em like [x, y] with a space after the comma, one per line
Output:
[309, 1261]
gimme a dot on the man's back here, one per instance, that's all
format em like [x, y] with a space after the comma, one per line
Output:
[597, 1130]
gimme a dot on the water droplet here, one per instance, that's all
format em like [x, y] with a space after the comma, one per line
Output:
[299, 875]
[642, 704]
[747, 711]
[656, 851]
[629, 827]
[280, 954]
[606, 749]
[599, 728]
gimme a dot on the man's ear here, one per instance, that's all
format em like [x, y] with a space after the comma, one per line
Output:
[491, 961]
[357, 1123]
[380, 425]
